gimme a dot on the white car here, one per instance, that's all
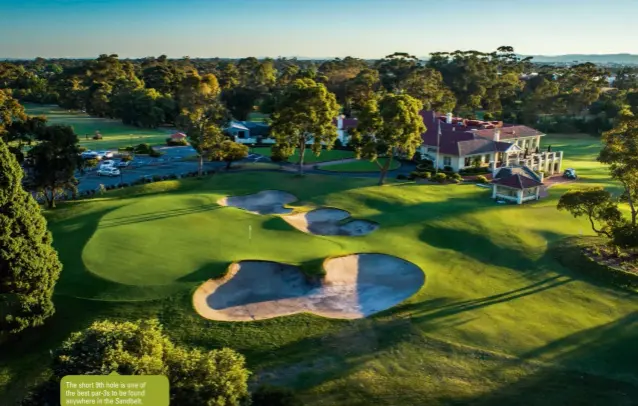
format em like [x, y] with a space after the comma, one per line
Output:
[104, 154]
[108, 171]
[108, 163]
[123, 164]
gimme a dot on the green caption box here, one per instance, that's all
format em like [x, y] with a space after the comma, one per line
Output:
[149, 390]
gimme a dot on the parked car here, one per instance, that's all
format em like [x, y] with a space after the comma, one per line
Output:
[570, 173]
[123, 164]
[108, 163]
[89, 155]
[104, 154]
[108, 171]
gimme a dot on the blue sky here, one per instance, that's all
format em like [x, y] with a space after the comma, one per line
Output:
[313, 28]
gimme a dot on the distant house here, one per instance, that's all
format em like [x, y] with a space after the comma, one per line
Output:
[516, 184]
[343, 125]
[178, 136]
[249, 132]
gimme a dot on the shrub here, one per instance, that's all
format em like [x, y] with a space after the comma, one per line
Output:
[176, 143]
[401, 177]
[279, 154]
[172, 176]
[456, 177]
[126, 158]
[157, 178]
[101, 189]
[338, 144]
[414, 175]
[481, 179]
[439, 177]
[143, 149]
[448, 168]
[154, 154]
[82, 149]
[424, 175]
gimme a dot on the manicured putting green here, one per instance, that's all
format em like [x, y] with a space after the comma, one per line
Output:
[359, 166]
[114, 133]
[309, 157]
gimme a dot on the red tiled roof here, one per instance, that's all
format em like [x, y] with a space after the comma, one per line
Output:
[510, 131]
[347, 123]
[178, 136]
[517, 181]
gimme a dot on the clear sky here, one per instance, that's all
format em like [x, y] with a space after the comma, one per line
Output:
[312, 28]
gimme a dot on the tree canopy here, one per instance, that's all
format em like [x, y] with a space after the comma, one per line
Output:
[389, 125]
[29, 266]
[304, 115]
[213, 378]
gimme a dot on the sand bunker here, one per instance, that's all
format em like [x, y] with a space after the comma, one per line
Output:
[355, 286]
[328, 222]
[264, 202]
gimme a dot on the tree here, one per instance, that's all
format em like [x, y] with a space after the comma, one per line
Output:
[426, 85]
[595, 203]
[51, 164]
[230, 151]
[389, 125]
[620, 152]
[304, 114]
[10, 111]
[395, 68]
[240, 101]
[212, 378]
[29, 266]
[266, 395]
[202, 114]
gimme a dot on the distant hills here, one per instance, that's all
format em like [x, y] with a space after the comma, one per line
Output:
[630, 59]
[621, 59]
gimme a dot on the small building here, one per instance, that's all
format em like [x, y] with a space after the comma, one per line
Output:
[178, 136]
[249, 132]
[516, 184]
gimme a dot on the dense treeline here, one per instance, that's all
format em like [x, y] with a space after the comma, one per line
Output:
[150, 92]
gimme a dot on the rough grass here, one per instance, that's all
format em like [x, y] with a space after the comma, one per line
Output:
[360, 166]
[499, 320]
[114, 133]
[309, 156]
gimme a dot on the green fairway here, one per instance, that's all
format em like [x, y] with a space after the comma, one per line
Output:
[498, 322]
[114, 133]
[309, 157]
[360, 166]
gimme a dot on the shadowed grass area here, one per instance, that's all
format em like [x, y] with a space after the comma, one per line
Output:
[114, 133]
[309, 156]
[499, 320]
[360, 166]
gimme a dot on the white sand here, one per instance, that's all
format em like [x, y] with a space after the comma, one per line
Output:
[264, 202]
[327, 221]
[355, 286]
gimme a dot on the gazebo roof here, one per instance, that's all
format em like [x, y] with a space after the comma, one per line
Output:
[178, 136]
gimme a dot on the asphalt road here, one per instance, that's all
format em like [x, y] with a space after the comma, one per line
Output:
[173, 162]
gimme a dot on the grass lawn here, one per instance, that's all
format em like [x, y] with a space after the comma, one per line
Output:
[114, 133]
[258, 117]
[360, 166]
[309, 157]
[498, 322]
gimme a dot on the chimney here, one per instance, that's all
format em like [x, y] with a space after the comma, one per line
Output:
[448, 118]
[340, 121]
[497, 135]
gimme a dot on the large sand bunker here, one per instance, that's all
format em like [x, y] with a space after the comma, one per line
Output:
[264, 202]
[355, 286]
[328, 221]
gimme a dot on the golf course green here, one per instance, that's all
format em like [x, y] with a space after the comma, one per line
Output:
[114, 133]
[498, 321]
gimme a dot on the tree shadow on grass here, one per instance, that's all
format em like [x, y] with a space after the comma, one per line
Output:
[158, 215]
[595, 366]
